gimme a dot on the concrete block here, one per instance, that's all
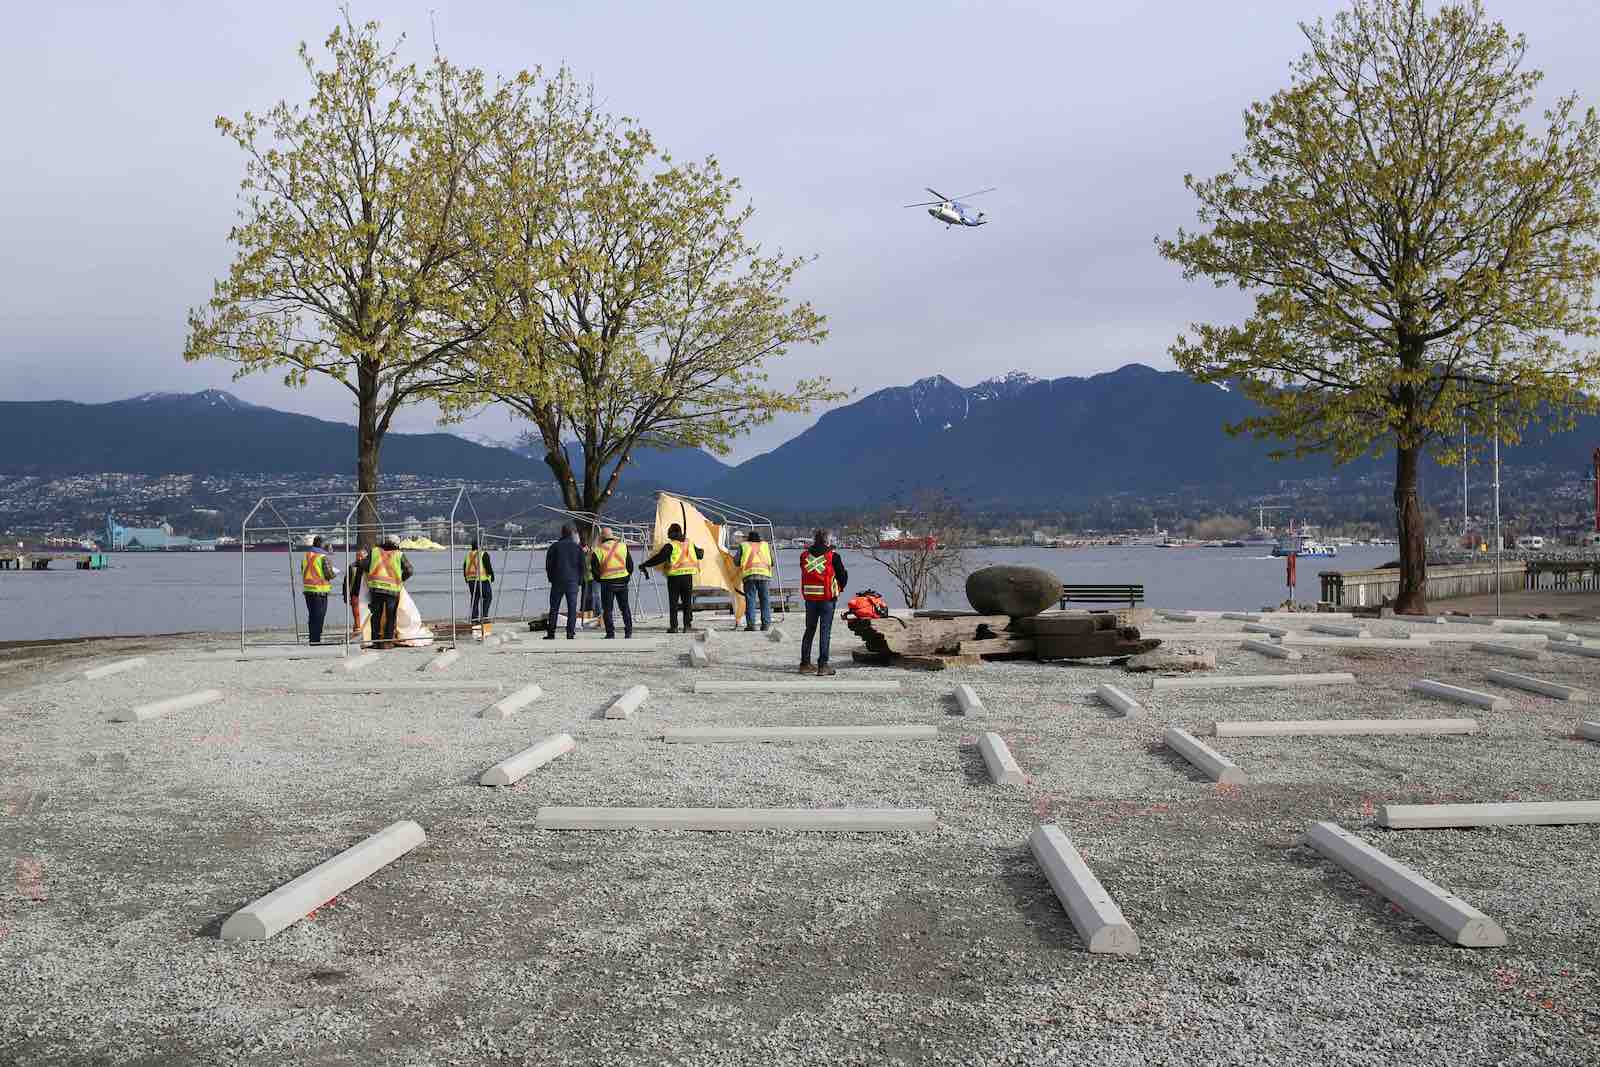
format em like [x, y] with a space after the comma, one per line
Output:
[1510, 650]
[1474, 620]
[512, 703]
[379, 686]
[1003, 767]
[967, 698]
[698, 656]
[732, 734]
[1589, 730]
[1094, 914]
[1240, 616]
[1118, 698]
[579, 646]
[1308, 616]
[1588, 651]
[513, 769]
[106, 670]
[1449, 816]
[1263, 628]
[705, 635]
[273, 652]
[814, 685]
[628, 703]
[1358, 642]
[775, 635]
[442, 662]
[1537, 685]
[1522, 640]
[156, 709]
[1440, 910]
[843, 820]
[1269, 648]
[1178, 616]
[1343, 727]
[1209, 761]
[1458, 695]
[294, 900]
[1254, 681]
[1334, 629]
[1541, 631]
[355, 663]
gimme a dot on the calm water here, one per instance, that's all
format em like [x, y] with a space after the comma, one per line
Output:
[147, 593]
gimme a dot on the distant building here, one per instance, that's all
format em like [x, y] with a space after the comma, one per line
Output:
[149, 538]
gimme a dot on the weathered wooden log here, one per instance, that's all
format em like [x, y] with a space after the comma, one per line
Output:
[1122, 642]
[1080, 622]
[997, 646]
[910, 637]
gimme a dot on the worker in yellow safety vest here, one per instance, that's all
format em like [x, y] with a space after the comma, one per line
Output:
[682, 562]
[755, 569]
[388, 570]
[478, 571]
[316, 582]
[611, 564]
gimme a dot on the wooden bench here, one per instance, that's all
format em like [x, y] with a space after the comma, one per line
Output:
[1131, 595]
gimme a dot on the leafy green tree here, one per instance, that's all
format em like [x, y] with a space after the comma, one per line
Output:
[356, 214]
[1417, 256]
[630, 309]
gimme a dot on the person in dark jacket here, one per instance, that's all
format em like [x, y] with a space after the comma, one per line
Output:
[563, 565]
[611, 566]
[352, 590]
[822, 575]
[681, 560]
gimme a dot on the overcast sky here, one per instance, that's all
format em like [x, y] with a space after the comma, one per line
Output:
[118, 192]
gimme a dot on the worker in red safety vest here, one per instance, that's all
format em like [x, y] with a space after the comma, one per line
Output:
[316, 582]
[822, 575]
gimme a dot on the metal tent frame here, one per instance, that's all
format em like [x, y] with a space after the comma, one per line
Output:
[733, 517]
[351, 529]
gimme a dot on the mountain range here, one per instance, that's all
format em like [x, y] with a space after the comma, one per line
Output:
[1014, 443]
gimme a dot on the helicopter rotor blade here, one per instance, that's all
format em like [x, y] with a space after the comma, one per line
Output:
[980, 192]
[935, 192]
[926, 203]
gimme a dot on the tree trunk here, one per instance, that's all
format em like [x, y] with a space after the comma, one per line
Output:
[1413, 595]
[369, 440]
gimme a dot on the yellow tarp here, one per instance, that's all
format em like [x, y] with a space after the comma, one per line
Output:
[718, 570]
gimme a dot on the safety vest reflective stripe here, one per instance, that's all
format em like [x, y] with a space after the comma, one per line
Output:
[613, 558]
[384, 575]
[474, 566]
[683, 559]
[755, 559]
[313, 573]
[816, 577]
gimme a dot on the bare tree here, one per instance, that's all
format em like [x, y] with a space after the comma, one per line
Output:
[924, 559]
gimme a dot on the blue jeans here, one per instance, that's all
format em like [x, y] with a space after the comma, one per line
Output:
[757, 588]
[571, 597]
[819, 617]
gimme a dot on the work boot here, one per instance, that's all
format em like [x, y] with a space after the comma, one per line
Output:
[765, 627]
[806, 668]
[826, 670]
[551, 636]
[611, 637]
[749, 629]
[672, 629]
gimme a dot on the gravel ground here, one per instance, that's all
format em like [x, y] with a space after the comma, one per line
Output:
[128, 844]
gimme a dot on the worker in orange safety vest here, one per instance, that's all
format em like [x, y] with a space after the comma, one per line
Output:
[611, 565]
[822, 575]
[755, 570]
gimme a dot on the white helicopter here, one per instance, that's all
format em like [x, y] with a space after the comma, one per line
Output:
[951, 211]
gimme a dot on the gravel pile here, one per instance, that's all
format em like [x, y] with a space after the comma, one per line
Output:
[129, 843]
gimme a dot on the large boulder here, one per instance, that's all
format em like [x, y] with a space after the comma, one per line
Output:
[1010, 590]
